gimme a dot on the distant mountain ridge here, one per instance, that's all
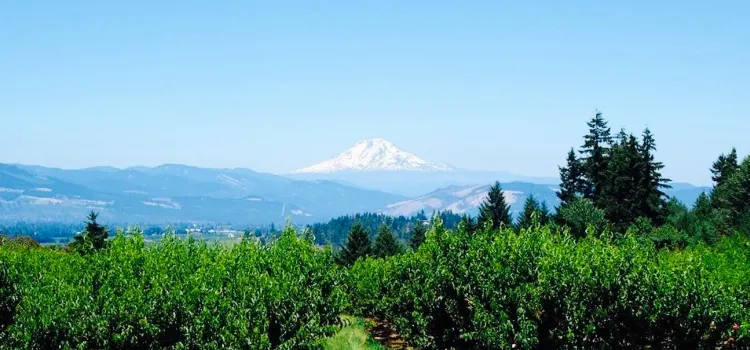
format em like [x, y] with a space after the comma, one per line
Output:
[176, 192]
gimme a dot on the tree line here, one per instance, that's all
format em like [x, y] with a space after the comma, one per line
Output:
[612, 183]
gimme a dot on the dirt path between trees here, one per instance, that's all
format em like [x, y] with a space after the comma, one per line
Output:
[384, 334]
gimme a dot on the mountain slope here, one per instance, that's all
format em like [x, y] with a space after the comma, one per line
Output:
[374, 155]
[467, 198]
[178, 192]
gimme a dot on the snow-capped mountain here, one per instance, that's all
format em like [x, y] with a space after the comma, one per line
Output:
[374, 155]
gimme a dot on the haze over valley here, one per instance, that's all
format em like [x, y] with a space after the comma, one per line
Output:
[373, 175]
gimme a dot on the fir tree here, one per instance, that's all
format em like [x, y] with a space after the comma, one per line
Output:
[619, 196]
[544, 214]
[494, 210]
[418, 234]
[571, 179]
[94, 237]
[651, 197]
[358, 245]
[530, 214]
[595, 153]
[733, 197]
[724, 167]
[385, 243]
[702, 208]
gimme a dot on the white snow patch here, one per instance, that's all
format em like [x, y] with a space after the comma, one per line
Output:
[255, 199]
[42, 189]
[374, 155]
[300, 212]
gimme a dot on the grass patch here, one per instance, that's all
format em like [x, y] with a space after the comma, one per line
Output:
[354, 336]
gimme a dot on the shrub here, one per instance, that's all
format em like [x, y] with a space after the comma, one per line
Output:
[543, 289]
[176, 294]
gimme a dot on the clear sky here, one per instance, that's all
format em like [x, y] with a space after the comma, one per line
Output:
[277, 85]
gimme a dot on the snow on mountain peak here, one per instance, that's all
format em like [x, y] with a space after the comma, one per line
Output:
[375, 155]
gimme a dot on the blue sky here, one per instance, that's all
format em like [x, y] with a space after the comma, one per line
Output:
[277, 85]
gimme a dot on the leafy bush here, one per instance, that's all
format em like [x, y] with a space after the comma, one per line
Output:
[583, 216]
[543, 289]
[176, 294]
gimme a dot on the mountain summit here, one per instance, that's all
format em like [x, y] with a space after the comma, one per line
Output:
[374, 155]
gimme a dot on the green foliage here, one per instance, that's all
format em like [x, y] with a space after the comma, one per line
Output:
[337, 229]
[541, 289]
[418, 232]
[175, 294]
[358, 245]
[571, 180]
[494, 210]
[93, 238]
[619, 175]
[531, 213]
[650, 195]
[724, 167]
[733, 195]
[595, 152]
[386, 244]
[582, 216]
[467, 224]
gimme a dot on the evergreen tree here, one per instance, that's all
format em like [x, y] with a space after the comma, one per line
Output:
[733, 197]
[94, 237]
[530, 214]
[494, 210]
[651, 197]
[724, 167]
[385, 243]
[358, 245]
[418, 234]
[595, 153]
[544, 214]
[702, 208]
[622, 177]
[571, 179]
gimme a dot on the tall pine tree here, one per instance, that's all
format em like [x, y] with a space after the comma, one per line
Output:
[385, 243]
[494, 210]
[619, 196]
[651, 197]
[571, 180]
[358, 245]
[595, 153]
